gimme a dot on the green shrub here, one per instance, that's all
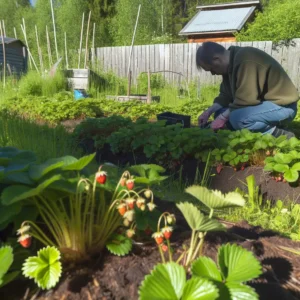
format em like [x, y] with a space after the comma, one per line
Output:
[273, 24]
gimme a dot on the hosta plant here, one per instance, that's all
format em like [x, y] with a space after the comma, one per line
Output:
[208, 281]
[45, 268]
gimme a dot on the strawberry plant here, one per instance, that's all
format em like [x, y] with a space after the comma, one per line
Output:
[284, 166]
[208, 281]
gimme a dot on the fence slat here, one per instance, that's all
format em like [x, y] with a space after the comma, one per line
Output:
[181, 58]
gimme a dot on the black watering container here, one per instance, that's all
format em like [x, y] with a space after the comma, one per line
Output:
[172, 119]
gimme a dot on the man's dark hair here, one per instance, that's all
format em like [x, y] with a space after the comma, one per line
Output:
[207, 51]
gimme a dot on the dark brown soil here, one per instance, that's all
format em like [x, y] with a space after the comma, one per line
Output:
[119, 278]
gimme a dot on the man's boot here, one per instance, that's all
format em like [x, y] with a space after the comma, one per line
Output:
[278, 132]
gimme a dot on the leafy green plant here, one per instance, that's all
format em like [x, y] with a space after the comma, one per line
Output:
[168, 281]
[236, 265]
[199, 223]
[45, 268]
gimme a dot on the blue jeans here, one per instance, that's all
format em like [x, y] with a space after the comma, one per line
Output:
[260, 118]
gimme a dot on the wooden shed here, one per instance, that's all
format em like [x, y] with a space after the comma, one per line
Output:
[16, 56]
[220, 22]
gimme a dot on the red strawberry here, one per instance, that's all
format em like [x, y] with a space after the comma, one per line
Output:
[101, 177]
[148, 231]
[122, 209]
[25, 240]
[123, 182]
[130, 184]
[284, 180]
[130, 202]
[164, 248]
[167, 232]
[159, 237]
[219, 168]
[242, 168]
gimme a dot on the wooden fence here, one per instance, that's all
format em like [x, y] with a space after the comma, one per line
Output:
[180, 58]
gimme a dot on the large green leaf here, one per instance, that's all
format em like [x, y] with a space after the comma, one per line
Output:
[291, 175]
[78, 165]
[6, 259]
[17, 193]
[20, 177]
[197, 220]
[23, 157]
[166, 282]
[215, 199]
[240, 291]
[199, 289]
[238, 264]
[7, 213]
[68, 186]
[205, 267]
[36, 172]
[119, 244]
[45, 268]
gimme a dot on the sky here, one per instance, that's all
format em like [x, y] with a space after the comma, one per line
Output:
[32, 2]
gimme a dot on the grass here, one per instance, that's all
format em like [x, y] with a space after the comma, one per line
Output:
[45, 141]
[282, 216]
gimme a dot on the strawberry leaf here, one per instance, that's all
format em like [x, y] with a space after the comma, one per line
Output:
[199, 289]
[45, 268]
[237, 264]
[197, 220]
[119, 245]
[215, 199]
[205, 267]
[166, 281]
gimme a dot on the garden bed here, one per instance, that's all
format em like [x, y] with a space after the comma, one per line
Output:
[119, 277]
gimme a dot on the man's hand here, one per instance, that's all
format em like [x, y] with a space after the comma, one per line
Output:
[203, 118]
[220, 121]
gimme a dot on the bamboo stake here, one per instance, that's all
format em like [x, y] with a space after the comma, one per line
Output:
[3, 28]
[66, 51]
[149, 88]
[4, 55]
[93, 44]
[15, 32]
[39, 50]
[49, 48]
[87, 40]
[133, 37]
[94, 29]
[25, 37]
[80, 45]
[54, 29]
[28, 50]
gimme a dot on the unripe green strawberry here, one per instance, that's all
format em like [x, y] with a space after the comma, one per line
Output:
[130, 233]
[139, 202]
[151, 206]
[171, 219]
[147, 194]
